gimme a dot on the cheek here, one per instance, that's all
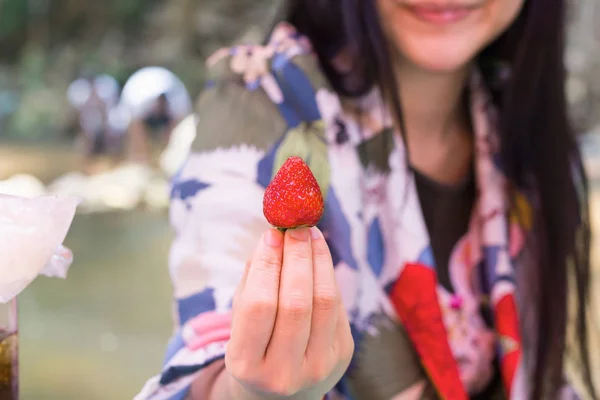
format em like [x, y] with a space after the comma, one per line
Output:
[450, 47]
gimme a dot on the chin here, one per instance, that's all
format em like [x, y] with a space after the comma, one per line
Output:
[442, 61]
[442, 52]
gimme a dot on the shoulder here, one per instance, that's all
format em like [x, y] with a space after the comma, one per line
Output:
[255, 93]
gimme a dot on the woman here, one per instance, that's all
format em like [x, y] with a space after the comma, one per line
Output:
[454, 193]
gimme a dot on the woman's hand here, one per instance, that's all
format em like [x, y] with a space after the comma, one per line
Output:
[290, 336]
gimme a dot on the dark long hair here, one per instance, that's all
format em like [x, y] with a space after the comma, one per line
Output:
[538, 151]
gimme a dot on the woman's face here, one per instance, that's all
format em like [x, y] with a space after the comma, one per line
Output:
[445, 35]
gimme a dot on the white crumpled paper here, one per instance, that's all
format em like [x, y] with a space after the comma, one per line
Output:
[31, 235]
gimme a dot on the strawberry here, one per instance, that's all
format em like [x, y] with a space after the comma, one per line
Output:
[293, 198]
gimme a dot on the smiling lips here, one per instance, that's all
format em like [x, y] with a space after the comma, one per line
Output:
[441, 14]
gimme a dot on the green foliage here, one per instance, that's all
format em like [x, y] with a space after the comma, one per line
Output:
[32, 68]
[45, 44]
[129, 12]
[13, 16]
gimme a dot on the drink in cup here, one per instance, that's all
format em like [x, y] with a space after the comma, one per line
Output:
[9, 377]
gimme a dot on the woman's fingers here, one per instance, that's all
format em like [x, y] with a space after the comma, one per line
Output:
[240, 287]
[325, 301]
[290, 333]
[343, 344]
[256, 302]
[292, 326]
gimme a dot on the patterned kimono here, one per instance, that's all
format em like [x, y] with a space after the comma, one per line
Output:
[414, 338]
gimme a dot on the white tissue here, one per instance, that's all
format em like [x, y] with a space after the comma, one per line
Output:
[59, 263]
[31, 236]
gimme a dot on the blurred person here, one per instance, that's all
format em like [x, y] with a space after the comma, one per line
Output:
[93, 96]
[455, 211]
[156, 101]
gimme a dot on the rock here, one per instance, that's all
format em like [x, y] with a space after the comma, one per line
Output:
[71, 184]
[23, 185]
[156, 194]
[123, 188]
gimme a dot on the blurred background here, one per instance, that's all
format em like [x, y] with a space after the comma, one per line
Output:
[81, 83]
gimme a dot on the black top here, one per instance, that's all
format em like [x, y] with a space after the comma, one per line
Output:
[447, 212]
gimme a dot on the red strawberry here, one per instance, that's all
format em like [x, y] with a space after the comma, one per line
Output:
[293, 198]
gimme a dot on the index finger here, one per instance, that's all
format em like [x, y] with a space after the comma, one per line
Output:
[256, 304]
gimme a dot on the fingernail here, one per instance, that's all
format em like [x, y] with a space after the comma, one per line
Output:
[315, 233]
[300, 234]
[273, 238]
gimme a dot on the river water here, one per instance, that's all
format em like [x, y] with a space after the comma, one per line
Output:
[103, 331]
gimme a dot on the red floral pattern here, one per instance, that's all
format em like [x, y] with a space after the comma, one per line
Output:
[414, 297]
